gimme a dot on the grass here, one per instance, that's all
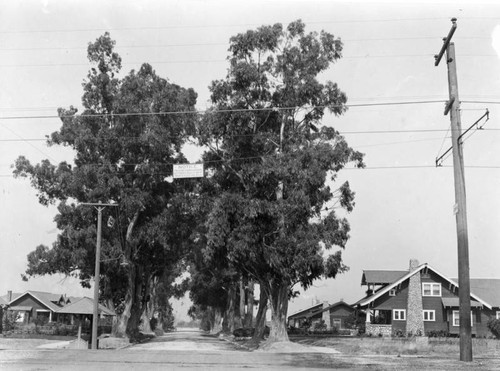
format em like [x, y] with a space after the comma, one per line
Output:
[388, 346]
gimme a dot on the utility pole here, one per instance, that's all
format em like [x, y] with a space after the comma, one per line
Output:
[95, 314]
[453, 107]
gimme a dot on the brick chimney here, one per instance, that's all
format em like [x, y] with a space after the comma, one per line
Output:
[414, 317]
[9, 296]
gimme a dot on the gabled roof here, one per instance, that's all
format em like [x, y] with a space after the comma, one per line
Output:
[487, 288]
[384, 290]
[3, 301]
[307, 312]
[381, 277]
[337, 304]
[45, 298]
[14, 296]
[85, 306]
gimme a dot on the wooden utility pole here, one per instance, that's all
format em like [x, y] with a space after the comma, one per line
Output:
[460, 209]
[95, 316]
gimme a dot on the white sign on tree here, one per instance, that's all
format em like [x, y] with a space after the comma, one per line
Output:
[188, 171]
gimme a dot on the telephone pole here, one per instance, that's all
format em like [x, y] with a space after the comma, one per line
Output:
[453, 107]
[95, 314]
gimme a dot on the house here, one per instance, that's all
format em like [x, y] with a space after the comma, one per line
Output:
[333, 315]
[82, 307]
[31, 305]
[52, 307]
[423, 300]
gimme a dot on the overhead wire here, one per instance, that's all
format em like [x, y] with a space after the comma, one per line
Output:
[249, 110]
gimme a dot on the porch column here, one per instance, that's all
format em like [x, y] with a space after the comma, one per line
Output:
[50, 316]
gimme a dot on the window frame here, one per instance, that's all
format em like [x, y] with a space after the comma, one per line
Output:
[498, 314]
[431, 315]
[393, 292]
[455, 315]
[401, 314]
[432, 286]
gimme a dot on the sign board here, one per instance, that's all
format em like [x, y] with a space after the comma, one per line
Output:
[188, 171]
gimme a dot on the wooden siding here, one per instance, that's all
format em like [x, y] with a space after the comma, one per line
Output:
[393, 302]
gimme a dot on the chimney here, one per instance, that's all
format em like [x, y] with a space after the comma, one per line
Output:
[9, 296]
[413, 264]
[414, 318]
[325, 315]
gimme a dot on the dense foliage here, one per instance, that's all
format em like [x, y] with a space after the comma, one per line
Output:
[270, 157]
[124, 147]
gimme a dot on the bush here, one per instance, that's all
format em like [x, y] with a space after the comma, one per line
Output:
[494, 327]
[438, 334]
[320, 326]
[159, 331]
[9, 320]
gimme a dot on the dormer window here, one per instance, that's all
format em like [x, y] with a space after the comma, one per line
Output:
[431, 289]
[392, 292]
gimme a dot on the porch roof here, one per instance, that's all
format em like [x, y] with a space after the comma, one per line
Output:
[21, 308]
[85, 306]
[454, 302]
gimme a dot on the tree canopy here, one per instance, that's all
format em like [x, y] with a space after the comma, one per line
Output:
[273, 162]
[125, 143]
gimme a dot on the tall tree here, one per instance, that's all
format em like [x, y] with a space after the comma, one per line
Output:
[273, 161]
[124, 142]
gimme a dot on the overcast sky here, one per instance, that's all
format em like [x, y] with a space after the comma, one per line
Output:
[404, 204]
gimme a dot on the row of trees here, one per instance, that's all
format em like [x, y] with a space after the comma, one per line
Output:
[263, 216]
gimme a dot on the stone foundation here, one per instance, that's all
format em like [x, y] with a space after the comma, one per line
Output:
[375, 330]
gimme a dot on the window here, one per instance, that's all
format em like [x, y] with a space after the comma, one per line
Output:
[498, 315]
[429, 315]
[392, 292]
[336, 323]
[399, 314]
[431, 289]
[456, 318]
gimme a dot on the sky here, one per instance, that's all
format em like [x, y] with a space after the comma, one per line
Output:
[404, 203]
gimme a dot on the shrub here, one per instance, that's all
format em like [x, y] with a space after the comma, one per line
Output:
[398, 333]
[159, 331]
[320, 326]
[494, 327]
[438, 334]
[9, 320]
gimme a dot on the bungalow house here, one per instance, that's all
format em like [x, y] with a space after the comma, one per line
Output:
[82, 307]
[35, 304]
[422, 300]
[333, 315]
[52, 307]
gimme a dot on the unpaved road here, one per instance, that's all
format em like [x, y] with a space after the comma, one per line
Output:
[191, 350]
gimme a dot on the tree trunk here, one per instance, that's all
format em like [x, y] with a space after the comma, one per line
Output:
[228, 323]
[278, 302]
[138, 303]
[121, 327]
[242, 305]
[250, 305]
[260, 320]
[217, 321]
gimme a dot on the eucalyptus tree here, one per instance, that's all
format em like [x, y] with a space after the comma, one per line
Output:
[275, 164]
[125, 142]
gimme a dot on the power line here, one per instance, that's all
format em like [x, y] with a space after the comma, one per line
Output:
[262, 134]
[387, 167]
[248, 110]
[194, 61]
[198, 26]
[49, 48]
